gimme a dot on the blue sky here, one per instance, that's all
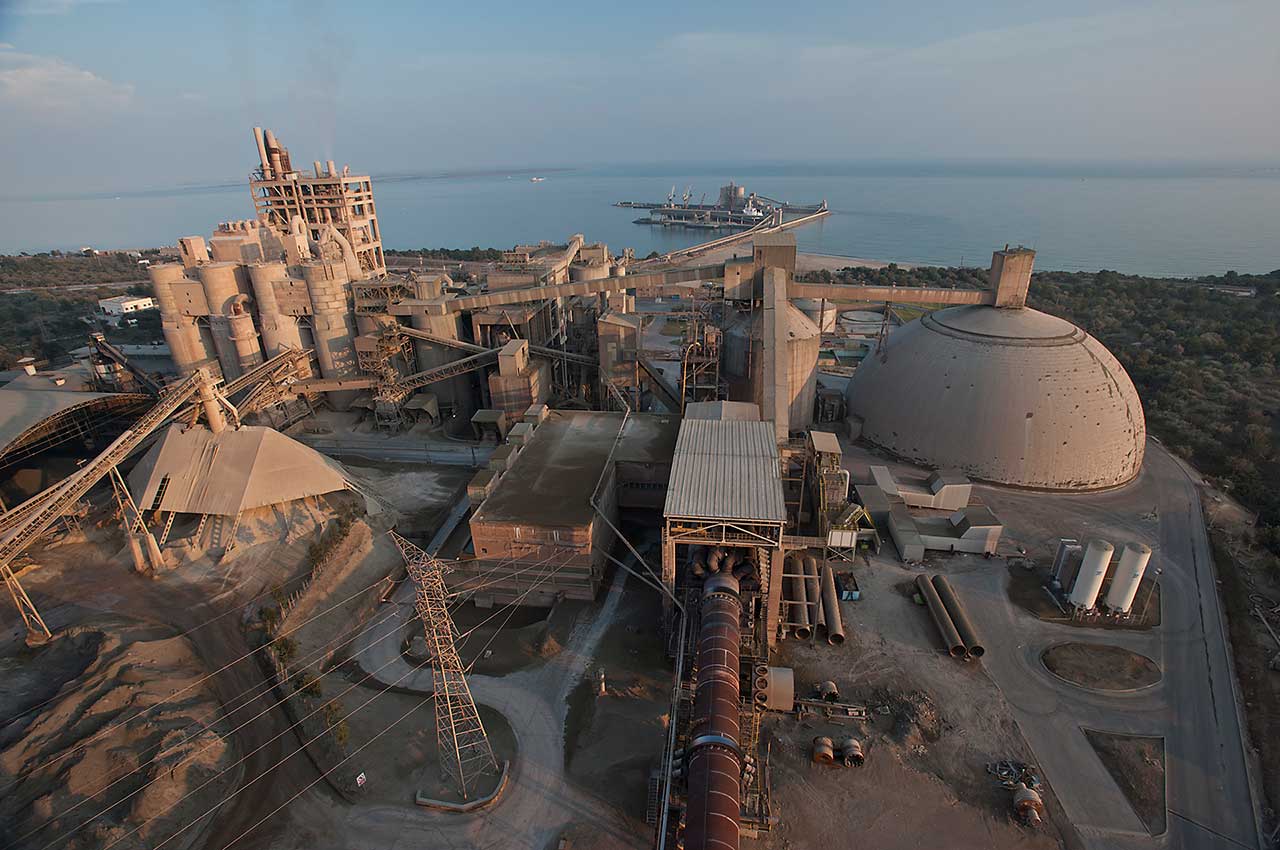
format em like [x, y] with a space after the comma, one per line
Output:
[97, 95]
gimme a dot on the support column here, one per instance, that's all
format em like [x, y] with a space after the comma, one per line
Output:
[773, 581]
[668, 573]
[777, 390]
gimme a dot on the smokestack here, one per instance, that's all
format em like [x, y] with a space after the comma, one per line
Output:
[333, 169]
[262, 151]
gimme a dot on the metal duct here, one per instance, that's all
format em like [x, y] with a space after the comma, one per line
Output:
[959, 616]
[813, 592]
[947, 628]
[794, 584]
[831, 606]
[715, 759]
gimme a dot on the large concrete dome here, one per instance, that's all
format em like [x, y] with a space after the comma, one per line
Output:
[1013, 396]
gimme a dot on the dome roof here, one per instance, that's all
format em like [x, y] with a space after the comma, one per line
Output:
[1013, 396]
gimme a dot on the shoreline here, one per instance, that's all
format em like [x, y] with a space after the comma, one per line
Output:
[805, 262]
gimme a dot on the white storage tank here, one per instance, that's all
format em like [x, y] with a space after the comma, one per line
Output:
[1093, 569]
[823, 314]
[1129, 572]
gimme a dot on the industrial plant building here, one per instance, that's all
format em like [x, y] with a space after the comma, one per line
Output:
[721, 448]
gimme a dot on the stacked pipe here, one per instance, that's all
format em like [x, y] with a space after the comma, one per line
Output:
[793, 587]
[715, 761]
[972, 643]
[950, 635]
[957, 630]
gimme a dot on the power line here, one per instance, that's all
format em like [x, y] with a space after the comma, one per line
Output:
[112, 727]
[191, 756]
[353, 634]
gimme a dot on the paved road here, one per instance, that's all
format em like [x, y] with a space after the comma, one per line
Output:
[540, 802]
[1208, 794]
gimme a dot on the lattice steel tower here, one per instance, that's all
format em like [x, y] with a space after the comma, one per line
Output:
[465, 753]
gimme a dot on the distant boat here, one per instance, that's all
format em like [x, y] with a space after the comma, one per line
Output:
[536, 179]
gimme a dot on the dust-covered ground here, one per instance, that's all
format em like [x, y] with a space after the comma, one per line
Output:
[934, 725]
[96, 751]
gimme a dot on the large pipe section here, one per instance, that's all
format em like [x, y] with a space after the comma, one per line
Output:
[1093, 570]
[813, 592]
[946, 628]
[715, 755]
[972, 643]
[793, 582]
[1129, 572]
[831, 606]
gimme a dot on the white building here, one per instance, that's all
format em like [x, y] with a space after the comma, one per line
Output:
[120, 306]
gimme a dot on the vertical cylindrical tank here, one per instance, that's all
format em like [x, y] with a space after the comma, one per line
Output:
[277, 328]
[457, 391]
[715, 756]
[744, 358]
[331, 324]
[1093, 570]
[244, 336]
[220, 290]
[186, 346]
[821, 313]
[1129, 572]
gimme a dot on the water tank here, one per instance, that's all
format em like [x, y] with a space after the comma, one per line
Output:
[823, 318]
[1093, 569]
[1129, 572]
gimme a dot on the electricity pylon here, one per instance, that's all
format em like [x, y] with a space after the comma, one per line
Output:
[465, 753]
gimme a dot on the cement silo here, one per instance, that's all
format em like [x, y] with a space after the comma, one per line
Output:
[822, 313]
[1129, 572]
[234, 335]
[186, 345]
[278, 329]
[331, 324]
[744, 363]
[1093, 570]
[595, 270]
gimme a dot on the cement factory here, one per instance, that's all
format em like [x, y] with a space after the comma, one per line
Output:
[810, 485]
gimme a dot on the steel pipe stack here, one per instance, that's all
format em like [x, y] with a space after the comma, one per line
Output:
[715, 756]
[947, 628]
[972, 643]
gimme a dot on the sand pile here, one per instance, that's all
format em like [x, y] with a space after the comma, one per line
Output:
[99, 726]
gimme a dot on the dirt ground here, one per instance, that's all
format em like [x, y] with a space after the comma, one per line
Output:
[1137, 765]
[1107, 668]
[614, 740]
[404, 760]
[934, 727]
[79, 721]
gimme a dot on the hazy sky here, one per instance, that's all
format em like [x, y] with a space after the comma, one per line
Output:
[101, 96]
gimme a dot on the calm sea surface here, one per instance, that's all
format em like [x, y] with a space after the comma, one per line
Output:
[1152, 224]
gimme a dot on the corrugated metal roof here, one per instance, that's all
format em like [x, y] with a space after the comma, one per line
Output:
[725, 469]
